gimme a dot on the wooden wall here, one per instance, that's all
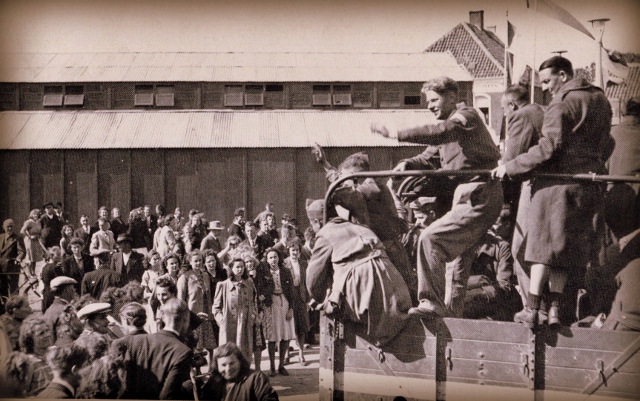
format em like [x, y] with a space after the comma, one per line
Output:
[214, 181]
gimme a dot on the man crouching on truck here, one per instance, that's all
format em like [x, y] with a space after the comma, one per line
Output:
[464, 144]
[366, 285]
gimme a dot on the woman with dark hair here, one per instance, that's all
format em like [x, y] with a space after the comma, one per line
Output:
[274, 285]
[299, 294]
[259, 343]
[35, 338]
[165, 289]
[65, 241]
[235, 309]
[194, 288]
[232, 379]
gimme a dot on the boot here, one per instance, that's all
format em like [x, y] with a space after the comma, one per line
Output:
[272, 358]
[284, 348]
[527, 316]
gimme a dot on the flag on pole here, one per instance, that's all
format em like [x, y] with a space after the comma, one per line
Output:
[511, 32]
[552, 10]
[613, 70]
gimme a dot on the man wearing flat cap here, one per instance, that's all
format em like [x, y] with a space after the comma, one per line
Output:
[95, 321]
[63, 289]
[126, 261]
[351, 261]
[103, 277]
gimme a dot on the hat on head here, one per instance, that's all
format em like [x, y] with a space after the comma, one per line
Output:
[94, 309]
[315, 209]
[425, 200]
[48, 204]
[215, 225]
[124, 238]
[60, 281]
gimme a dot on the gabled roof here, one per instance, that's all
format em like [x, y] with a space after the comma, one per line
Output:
[480, 51]
[201, 129]
[628, 89]
[229, 67]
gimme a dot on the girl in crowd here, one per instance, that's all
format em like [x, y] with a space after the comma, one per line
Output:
[65, 241]
[299, 294]
[274, 283]
[194, 288]
[155, 270]
[217, 273]
[33, 243]
[251, 263]
[234, 308]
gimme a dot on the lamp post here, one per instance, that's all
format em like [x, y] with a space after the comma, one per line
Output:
[598, 26]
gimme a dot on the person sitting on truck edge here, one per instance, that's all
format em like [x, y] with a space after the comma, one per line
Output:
[366, 285]
[464, 143]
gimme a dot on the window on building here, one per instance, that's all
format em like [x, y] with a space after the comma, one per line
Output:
[342, 95]
[74, 95]
[411, 100]
[254, 95]
[143, 95]
[233, 95]
[322, 95]
[53, 96]
[390, 98]
[165, 95]
[274, 88]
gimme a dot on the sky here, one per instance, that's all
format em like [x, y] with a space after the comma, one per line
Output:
[37, 26]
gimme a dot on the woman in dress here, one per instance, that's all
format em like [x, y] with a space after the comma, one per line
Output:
[33, 242]
[235, 309]
[217, 273]
[194, 288]
[274, 284]
[65, 241]
[299, 294]
[171, 264]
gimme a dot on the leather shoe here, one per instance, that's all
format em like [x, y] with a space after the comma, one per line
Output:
[554, 319]
[283, 371]
[423, 310]
[528, 317]
[272, 373]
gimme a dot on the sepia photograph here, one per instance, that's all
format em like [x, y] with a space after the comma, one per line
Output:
[330, 200]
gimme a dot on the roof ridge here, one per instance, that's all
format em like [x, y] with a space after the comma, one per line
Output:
[484, 48]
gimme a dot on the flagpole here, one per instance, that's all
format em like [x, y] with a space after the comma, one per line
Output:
[598, 25]
[533, 67]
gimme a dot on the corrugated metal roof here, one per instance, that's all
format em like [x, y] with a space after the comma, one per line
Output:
[481, 52]
[200, 129]
[628, 89]
[229, 67]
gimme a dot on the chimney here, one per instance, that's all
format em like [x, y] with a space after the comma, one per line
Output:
[477, 18]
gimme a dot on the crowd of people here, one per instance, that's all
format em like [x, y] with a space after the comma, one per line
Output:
[141, 308]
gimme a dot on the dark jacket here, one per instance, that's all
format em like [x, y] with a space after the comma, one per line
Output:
[11, 247]
[97, 281]
[463, 139]
[51, 230]
[71, 269]
[118, 226]
[575, 134]
[134, 268]
[250, 386]
[157, 365]
[49, 272]
[82, 234]
[524, 130]
[265, 285]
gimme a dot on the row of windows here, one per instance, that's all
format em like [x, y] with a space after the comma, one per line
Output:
[212, 95]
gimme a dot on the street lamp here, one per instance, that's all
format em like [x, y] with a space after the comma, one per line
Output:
[598, 26]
